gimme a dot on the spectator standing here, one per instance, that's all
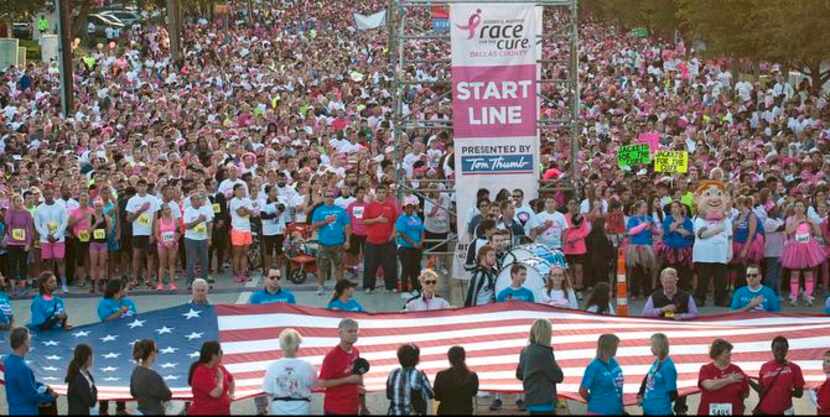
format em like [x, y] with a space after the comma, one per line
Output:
[558, 291]
[343, 388]
[539, 371]
[273, 292]
[147, 387]
[18, 240]
[333, 233]
[407, 388]
[669, 301]
[801, 253]
[602, 383]
[141, 212]
[51, 221]
[166, 235]
[516, 291]
[640, 259]
[357, 240]
[773, 248]
[482, 289]
[659, 387]
[779, 381]
[273, 217]
[81, 392]
[456, 387]
[427, 300]
[379, 219]
[548, 227]
[198, 236]
[213, 386]
[409, 229]
[23, 393]
[754, 296]
[676, 246]
[574, 246]
[241, 208]
[723, 384]
[289, 381]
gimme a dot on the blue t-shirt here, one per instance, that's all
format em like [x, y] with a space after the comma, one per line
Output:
[334, 233]
[108, 307]
[744, 295]
[412, 226]
[42, 309]
[660, 381]
[351, 305]
[281, 296]
[6, 312]
[675, 240]
[604, 382]
[517, 294]
[644, 237]
[827, 306]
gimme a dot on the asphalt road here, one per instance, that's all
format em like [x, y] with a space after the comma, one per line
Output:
[81, 308]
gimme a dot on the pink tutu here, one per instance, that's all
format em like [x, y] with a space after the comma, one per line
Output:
[673, 256]
[755, 254]
[802, 255]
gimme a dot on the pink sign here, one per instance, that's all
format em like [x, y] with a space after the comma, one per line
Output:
[651, 139]
[494, 101]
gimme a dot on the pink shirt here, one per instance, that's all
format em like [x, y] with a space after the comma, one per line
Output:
[355, 211]
[82, 218]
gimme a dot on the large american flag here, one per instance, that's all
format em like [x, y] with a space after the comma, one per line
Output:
[493, 336]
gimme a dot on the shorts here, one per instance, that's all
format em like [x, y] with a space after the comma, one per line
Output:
[241, 237]
[141, 243]
[356, 244]
[575, 259]
[52, 250]
[174, 246]
[271, 243]
[97, 247]
[329, 260]
[81, 247]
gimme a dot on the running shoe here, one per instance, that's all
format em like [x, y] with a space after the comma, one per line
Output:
[159, 287]
[172, 286]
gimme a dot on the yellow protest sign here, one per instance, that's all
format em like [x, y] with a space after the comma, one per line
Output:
[671, 162]
[19, 234]
[99, 234]
[83, 235]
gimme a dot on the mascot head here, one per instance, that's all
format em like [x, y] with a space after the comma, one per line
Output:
[711, 199]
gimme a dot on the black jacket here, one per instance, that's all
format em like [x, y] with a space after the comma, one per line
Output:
[539, 374]
[455, 389]
[80, 396]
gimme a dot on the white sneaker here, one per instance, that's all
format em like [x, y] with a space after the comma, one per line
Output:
[64, 289]
[320, 290]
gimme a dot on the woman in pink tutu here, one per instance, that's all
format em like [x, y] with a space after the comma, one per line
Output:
[747, 241]
[802, 252]
[823, 210]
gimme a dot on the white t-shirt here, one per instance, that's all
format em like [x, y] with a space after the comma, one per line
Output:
[275, 226]
[238, 222]
[552, 236]
[226, 186]
[715, 249]
[440, 221]
[143, 224]
[200, 231]
[343, 202]
[289, 378]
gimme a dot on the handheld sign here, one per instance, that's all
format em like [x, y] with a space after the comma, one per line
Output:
[671, 162]
[633, 155]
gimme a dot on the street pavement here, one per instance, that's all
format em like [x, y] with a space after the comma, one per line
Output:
[81, 308]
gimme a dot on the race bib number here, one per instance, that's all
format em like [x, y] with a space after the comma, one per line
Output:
[99, 234]
[83, 236]
[19, 234]
[52, 228]
[144, 219]
[357, 212]
[216, 208]
[802, 237]
[720, 409]
[200, 228]
[168, 236]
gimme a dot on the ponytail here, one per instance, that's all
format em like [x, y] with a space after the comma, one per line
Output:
[80, 358]
[143, 349]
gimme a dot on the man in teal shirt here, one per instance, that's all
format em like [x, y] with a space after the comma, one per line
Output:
[516, 292]
[333, 233]
[273, 293]
[23, 393]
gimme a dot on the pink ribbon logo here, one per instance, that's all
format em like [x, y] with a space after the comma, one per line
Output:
[472, 24]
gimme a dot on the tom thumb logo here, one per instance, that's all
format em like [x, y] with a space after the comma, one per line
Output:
[472, 24]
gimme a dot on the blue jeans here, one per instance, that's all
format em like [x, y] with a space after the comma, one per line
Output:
[196, 251]
[773, 278]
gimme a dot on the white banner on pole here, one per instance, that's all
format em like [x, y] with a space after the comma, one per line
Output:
[495, 103]
[48, 47]
[372, 21]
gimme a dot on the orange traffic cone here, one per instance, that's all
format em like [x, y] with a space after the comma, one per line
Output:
[622, 287]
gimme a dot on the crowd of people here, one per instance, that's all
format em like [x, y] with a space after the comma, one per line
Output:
[290, 381]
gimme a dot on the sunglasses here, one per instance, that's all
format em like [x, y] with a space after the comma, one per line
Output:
[430, 282]
[277, 277]
[752, 275]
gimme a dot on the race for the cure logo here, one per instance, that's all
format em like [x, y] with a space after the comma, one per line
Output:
[505, 34]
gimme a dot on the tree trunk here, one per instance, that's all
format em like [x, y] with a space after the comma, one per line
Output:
[79, 22]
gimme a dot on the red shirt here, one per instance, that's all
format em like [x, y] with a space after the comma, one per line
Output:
[732, 394]
[823, 394]
[204, 381]
[778, 397]
[379, 233]
[342, 399]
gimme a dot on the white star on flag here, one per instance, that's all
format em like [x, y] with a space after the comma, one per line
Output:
[111, 379]
[194, 335]
[164, 329]
[50, 368]
[194, 355]
[53, 357]
[108, 338]
[168, 350]
[109, 369]
[171, 378]
[192, 314]
[82, 333]
[136, 323]
[168, 365]
[50, 343]
[112, 355]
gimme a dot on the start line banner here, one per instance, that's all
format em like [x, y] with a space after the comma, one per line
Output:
[495, 103]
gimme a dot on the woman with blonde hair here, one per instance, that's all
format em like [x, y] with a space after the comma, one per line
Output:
[538, 370]
[289, 381]
[659, 387]
[558, 290]
[602, 383]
